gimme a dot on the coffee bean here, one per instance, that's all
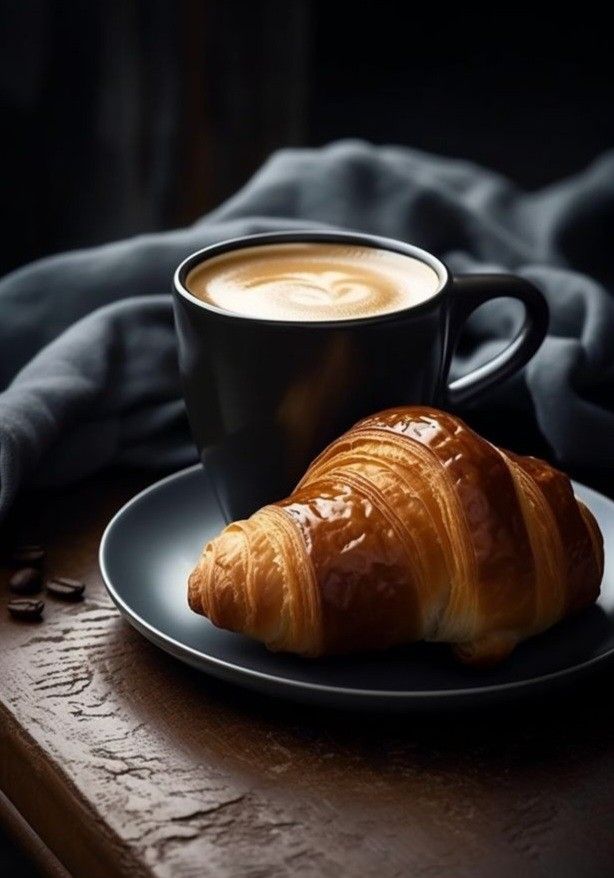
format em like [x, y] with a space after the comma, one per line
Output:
[25, 581]
[28, 609]
[28, 555]
[65, 588]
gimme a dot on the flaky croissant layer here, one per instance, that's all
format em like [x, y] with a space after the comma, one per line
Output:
[408, 527]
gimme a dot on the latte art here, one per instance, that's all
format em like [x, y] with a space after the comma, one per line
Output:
[320, 290]
[312, 281]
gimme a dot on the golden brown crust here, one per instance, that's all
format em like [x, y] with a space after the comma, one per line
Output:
[408, 527]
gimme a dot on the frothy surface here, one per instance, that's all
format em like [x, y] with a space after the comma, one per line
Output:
[312, 281]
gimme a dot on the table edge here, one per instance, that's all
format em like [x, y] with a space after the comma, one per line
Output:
[100, 853]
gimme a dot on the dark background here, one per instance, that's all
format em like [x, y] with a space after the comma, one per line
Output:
[121, 117]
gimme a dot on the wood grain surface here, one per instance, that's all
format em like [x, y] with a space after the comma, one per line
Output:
[127, 763]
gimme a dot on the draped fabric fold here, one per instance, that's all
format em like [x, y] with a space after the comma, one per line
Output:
[87, 352]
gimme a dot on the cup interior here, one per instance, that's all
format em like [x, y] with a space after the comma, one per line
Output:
[309, 236]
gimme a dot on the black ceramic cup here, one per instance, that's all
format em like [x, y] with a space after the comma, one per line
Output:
[264, 396]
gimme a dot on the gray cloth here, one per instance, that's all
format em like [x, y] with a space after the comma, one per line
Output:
[87, 351]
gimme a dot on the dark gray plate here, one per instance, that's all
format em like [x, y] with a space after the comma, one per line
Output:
[150, 546]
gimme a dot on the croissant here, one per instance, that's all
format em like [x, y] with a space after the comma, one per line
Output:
[408, 527]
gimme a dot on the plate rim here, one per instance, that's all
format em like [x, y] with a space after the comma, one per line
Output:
[180, 650]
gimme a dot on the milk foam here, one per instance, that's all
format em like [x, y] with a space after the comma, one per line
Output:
[312, 281]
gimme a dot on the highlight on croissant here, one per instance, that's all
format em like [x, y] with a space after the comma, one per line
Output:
[408, 527]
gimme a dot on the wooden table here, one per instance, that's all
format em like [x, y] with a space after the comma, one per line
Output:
[124, 762]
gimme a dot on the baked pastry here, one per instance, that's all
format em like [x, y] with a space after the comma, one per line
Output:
[408, 527]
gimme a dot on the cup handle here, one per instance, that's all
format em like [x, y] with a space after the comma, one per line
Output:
[468, 292]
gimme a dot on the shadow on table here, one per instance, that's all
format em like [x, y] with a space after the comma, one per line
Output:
[13, 862]
[577, 718]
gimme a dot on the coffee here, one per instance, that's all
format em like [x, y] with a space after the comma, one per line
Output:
[65, 588]
[27, 609]
[26, 581]
[312, 281]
